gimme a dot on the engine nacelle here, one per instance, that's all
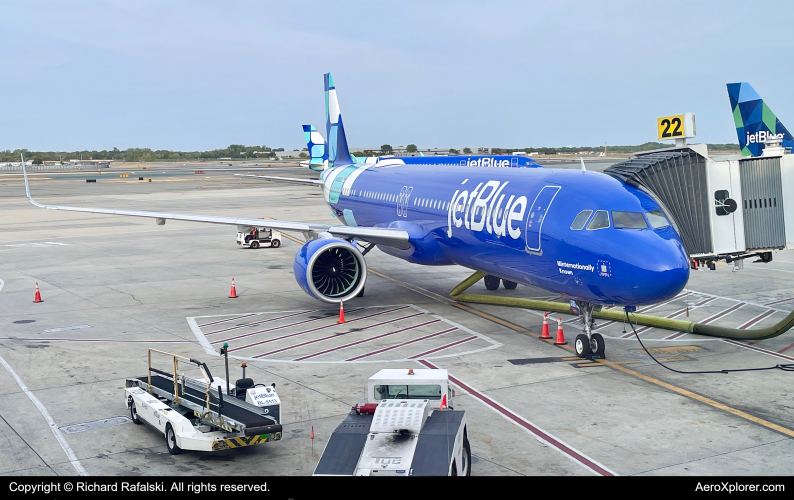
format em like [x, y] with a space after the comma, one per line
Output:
[330, 269]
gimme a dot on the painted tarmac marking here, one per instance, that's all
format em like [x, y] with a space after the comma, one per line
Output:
[641, 310]
[758, 318]
[395, 346]
[711, 318]
[539, 434]
[53, 427]
[2, 284]
[227, 319]
[66, 328]
[368, 339]
[779, 301]
[785, 349]
[248, 325]
[31, 339]
[316, 329]
[447, 346]
[758, 349]
[670, 316]
[331, 336]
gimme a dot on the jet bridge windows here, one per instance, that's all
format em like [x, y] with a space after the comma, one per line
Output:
[628, 220]
[581, 220]
[398, 391]
[599, 221]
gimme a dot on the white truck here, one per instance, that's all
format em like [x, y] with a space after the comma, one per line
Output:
[406, 428]
[248, 238]
[194, 414]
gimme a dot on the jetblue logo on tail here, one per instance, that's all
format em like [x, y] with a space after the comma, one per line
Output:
[754, 120]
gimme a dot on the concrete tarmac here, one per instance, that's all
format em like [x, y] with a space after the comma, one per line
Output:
[115, 286]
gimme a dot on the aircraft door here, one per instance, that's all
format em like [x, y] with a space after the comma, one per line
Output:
[513, 162]
[537, 213]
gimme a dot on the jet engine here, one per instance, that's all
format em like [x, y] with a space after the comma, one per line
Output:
[330, 269]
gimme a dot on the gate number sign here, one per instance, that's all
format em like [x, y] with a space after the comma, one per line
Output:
[676, 126]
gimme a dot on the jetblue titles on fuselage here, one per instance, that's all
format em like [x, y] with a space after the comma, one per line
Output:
[516, 223]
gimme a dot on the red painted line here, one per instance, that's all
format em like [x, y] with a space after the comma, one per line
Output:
[227, 319]
[722, 313]
[257, 323]
[675, 335]
[324, 338]
[641, 310]
[670, 316]
[758, 318]
[779, 301]
[452, 344]
[365, 340]
[753, 348]
[395, 346]
[299, 333]
[529, 426]
[785, 349]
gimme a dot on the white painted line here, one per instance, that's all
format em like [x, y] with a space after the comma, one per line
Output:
[541, 435]
[66, 328]
[53, 427]
[758, 349]
[2, 284]
[201, 338]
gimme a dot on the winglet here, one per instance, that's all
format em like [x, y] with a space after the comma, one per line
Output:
[27, 186]
[583, 167]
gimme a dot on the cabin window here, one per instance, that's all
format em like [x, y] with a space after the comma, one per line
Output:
[581, 220]
[657, 219]
[628, 220]
[599, 221]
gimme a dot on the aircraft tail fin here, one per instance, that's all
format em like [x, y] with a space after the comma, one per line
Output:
[338, 152]
[318, 148]
[754, 121]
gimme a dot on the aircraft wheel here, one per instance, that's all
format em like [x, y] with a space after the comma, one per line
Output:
[254, 244]
[582, 345]
[170, 440]
[597, 344]
[510, 285]
[491, 282]
[275, 244]
[134, 414]
[466, 457]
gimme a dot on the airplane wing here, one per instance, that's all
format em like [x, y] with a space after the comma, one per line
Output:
[288, 180]
[397, 238]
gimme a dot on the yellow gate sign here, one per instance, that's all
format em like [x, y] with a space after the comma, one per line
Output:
[675, 126]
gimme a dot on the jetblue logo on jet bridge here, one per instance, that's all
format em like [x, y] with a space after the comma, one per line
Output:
[483, 208]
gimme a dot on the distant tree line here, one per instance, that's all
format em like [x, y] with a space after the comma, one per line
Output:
[235, 151]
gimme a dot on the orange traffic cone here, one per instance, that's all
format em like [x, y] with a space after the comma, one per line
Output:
[233, 294]
[544, 334]
[38, 294]
[560, 337]
[341, 312]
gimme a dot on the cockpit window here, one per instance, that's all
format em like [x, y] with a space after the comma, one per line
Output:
[599, 221]
[628, 220]
[581, 220]
[657, 219]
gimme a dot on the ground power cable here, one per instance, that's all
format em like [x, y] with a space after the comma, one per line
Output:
[789, 367]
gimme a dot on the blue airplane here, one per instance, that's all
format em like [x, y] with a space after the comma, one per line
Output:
[755, 122]
[585, 235]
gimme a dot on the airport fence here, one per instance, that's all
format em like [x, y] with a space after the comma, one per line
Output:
[10, 167]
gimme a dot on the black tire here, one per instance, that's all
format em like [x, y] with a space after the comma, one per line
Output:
[491, 282]
[170, 440]
[466, 456]
[454, 471]
[601, 345]
[254, 244]
[134, 414]
[275, 244]
[582, 345]
[510, 285]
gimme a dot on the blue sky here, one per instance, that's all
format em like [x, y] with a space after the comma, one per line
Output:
[202, 75]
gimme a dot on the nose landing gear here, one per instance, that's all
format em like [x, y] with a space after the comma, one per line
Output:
[588, 345]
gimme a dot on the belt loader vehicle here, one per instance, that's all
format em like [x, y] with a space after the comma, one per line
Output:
[195, 414]
[406, 428]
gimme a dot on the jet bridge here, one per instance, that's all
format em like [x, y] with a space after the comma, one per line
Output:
[723, 208]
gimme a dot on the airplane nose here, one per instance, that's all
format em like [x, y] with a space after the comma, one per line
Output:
[668, 271]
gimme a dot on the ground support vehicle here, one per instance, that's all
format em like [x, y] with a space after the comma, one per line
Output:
[406, 428]
[195, 414]
[264, 236]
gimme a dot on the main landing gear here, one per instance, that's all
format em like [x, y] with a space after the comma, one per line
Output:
[492, 283]
[588, 345]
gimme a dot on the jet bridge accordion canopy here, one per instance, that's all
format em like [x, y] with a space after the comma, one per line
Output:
[677, 180]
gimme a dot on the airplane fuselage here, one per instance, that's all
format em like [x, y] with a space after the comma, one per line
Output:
[516, 223]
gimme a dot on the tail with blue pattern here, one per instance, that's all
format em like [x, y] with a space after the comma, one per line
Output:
[318, 149]
[754, 121]
[338, 152]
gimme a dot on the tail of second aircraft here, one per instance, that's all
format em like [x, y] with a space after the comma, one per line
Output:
[318, 149]
[755, 122]
[338, 152]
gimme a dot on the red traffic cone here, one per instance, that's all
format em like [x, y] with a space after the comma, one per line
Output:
[38, 294]
[560, 337]
[233, 293]
[341, 312]
[544, 334]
